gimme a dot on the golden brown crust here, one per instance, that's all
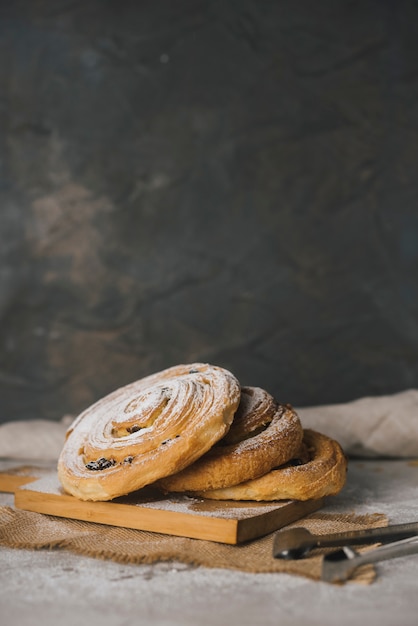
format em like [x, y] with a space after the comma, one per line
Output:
[264, 434]
[146, 430]
[323, 475]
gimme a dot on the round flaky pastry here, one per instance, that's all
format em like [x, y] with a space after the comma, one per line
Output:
[149, 429]
[263, 435]
[323, 474]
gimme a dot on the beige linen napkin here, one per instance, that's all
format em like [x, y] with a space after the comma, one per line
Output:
[37, 440]
[381, 426]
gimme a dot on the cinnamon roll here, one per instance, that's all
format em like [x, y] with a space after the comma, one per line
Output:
[146, 430]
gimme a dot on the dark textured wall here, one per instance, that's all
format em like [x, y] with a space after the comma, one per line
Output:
[227, 181]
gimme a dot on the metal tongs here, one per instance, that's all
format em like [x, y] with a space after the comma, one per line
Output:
[338, 566]
[295, 543]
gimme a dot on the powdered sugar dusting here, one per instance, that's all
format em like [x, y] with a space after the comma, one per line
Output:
[207, 508]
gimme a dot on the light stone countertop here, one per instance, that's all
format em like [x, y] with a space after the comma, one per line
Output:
[51, 587]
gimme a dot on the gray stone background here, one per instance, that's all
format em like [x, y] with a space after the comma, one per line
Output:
[231, 181]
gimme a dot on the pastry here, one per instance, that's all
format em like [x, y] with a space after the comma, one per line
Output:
[322, 474]
[264, 434]
[146, 430]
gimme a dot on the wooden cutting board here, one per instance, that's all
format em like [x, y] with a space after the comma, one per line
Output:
[147, 509]
[15, 477]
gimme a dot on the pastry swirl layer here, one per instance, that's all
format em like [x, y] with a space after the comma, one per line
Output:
[264, 434]
[322, 474]
[146, 430]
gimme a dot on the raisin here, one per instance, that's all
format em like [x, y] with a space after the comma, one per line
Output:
[128, 459]
[92, 465]
[100, 464]
[134, 428]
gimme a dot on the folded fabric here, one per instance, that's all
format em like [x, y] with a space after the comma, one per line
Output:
[38, 440]
[381, 426]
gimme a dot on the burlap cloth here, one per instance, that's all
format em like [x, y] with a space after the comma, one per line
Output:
[23, 529]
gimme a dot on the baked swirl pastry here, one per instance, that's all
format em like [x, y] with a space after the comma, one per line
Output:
[148, 429]
[321, 471]
[264, 434]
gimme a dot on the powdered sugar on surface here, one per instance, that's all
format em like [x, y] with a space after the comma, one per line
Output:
[225, 510]
[152, 499]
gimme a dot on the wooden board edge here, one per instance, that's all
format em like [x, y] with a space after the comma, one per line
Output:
[275, 520]
[135, 517]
